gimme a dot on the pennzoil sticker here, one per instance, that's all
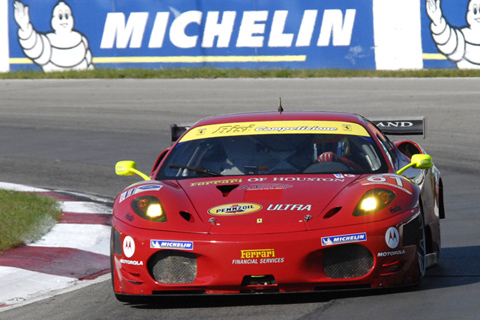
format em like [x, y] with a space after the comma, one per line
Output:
[234, 209]
[147, 187]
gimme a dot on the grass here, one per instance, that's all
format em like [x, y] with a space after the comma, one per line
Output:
[214, 73]
[25, 217]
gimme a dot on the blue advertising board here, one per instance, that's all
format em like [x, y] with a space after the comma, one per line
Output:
[79, 34]
[451, 34]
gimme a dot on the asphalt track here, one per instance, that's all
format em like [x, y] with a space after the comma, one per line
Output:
[67, 135]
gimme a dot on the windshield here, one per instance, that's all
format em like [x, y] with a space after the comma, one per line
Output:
[273, 154]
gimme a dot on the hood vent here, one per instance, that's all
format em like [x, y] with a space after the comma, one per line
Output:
[332, 212]
[187, 216]
[226, 189]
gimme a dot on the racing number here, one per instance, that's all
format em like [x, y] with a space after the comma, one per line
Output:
[398, 180]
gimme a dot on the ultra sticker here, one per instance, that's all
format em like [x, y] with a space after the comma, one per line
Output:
[234, 209]
[289, 207]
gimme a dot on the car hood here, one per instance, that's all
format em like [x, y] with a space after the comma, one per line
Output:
[266, 204]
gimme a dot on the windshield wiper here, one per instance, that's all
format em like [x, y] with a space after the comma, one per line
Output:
[196, 169]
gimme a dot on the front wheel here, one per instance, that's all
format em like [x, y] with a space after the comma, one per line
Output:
[421, 250]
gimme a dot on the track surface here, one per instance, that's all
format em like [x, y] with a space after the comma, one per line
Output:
[69, 134]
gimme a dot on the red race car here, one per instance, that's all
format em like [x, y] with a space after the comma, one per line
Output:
[278, 202]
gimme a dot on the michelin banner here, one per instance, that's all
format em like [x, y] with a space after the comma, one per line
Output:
[52, 35]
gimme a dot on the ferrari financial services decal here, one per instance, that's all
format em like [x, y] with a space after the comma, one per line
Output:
[131, 192]
[257, 256]
[347, 238]
[234, 209]
[168, 244]
[274, 127]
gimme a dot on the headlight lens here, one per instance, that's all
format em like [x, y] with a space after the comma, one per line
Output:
[150, 208]
[372, 201]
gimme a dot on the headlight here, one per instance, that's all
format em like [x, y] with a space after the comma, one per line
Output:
[373, 201]
[150, 208]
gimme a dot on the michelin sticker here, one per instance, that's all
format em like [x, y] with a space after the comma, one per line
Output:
[168, 244]
[347, 238]
[59, 50]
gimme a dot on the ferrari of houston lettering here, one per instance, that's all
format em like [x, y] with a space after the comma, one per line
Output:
[278, 202]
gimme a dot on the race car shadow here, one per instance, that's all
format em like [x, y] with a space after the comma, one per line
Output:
[230, 300]
[457, 267]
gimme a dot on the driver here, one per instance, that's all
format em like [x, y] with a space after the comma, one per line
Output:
[336, 148]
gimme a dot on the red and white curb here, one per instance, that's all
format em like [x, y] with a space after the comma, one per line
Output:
[73, 254]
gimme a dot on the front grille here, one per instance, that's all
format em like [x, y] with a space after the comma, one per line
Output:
[170, 267]
[347, 261]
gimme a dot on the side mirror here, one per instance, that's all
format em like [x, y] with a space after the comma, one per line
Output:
[418, 161]
[129, 168]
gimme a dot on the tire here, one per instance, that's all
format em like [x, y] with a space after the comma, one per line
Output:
[421, 250]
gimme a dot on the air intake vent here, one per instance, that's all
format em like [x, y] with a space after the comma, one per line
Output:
[170, 267]
[347, 261]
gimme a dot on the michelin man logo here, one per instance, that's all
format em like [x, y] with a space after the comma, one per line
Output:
[60, 50]
[460, 45]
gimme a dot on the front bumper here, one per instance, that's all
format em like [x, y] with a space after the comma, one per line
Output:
[379, 254]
